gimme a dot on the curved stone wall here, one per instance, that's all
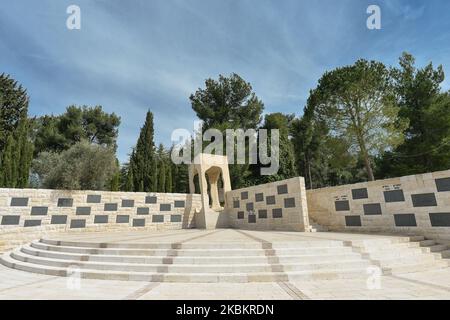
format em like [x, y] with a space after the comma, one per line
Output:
[417, 204]
[27, 213]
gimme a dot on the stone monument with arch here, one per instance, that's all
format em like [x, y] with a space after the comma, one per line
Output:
[210, 168]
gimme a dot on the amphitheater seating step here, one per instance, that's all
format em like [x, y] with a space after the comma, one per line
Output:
[228, 261]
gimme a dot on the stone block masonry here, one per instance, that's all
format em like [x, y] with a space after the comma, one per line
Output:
[37, 211]
[416, 204]
[278, 205]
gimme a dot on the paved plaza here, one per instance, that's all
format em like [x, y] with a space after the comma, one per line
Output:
[431, 283]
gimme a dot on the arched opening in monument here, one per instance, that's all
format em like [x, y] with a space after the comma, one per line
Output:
[215, 188]
[196, 184]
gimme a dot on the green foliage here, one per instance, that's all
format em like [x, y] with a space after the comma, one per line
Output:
[7, 171]
[427, 138]
[229, 99]
[143, 160]
[115, 180]
[287, 169]
[59, 133]
[322, 159]
[229, 103]
[16, 149]
[84, 166]
[357, 104]
[161, 169]
[13, 107]
[180, 178]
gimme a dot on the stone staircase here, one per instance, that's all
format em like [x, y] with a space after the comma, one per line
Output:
[440, 249]
[232, 261]
[399, 256]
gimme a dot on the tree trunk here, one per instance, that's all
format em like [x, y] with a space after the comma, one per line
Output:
[310, 178]
[367, 162]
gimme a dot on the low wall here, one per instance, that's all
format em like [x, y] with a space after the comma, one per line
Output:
[279, 205]
[417, 204]
[37, 211]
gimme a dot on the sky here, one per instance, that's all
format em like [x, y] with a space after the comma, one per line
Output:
[131, 56]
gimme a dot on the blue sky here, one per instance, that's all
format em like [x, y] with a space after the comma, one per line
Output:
[134, 55]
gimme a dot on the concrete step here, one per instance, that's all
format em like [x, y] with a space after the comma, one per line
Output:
[445, 254]
[425, 258]
[416, 238]
[191, 252]
[416, 267]
[189, 277]
[229, 262]
[427, 243]
[438, 248]
[395, 254]
[188, 268]
[186, 259]
[197, 245]
[390, 248]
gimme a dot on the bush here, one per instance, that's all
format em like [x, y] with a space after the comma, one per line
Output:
[83, 166]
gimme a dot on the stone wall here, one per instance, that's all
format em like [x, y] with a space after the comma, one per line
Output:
[279, 205]
[59, 210]
[417, 204]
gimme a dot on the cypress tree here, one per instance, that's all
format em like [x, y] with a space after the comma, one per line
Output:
[142, 160]
[15, 147]
[181, 178]
[115, 180]
[155, 171]
[7, 168]
[24, 155]
[162, 176]
[161, 156]
[169, 178]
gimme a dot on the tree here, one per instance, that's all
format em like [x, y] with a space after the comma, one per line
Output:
[15, 146]
[161, 169]
[357, 103]
[287, 169]
[13, 107]
[143, 160]
[427, 143]
[115, 180]
[169, 186]
[323, 159]
[229, 103]
[231, 100]
[84, 166]
[7, 165]
[59, 133]
[180, 177]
